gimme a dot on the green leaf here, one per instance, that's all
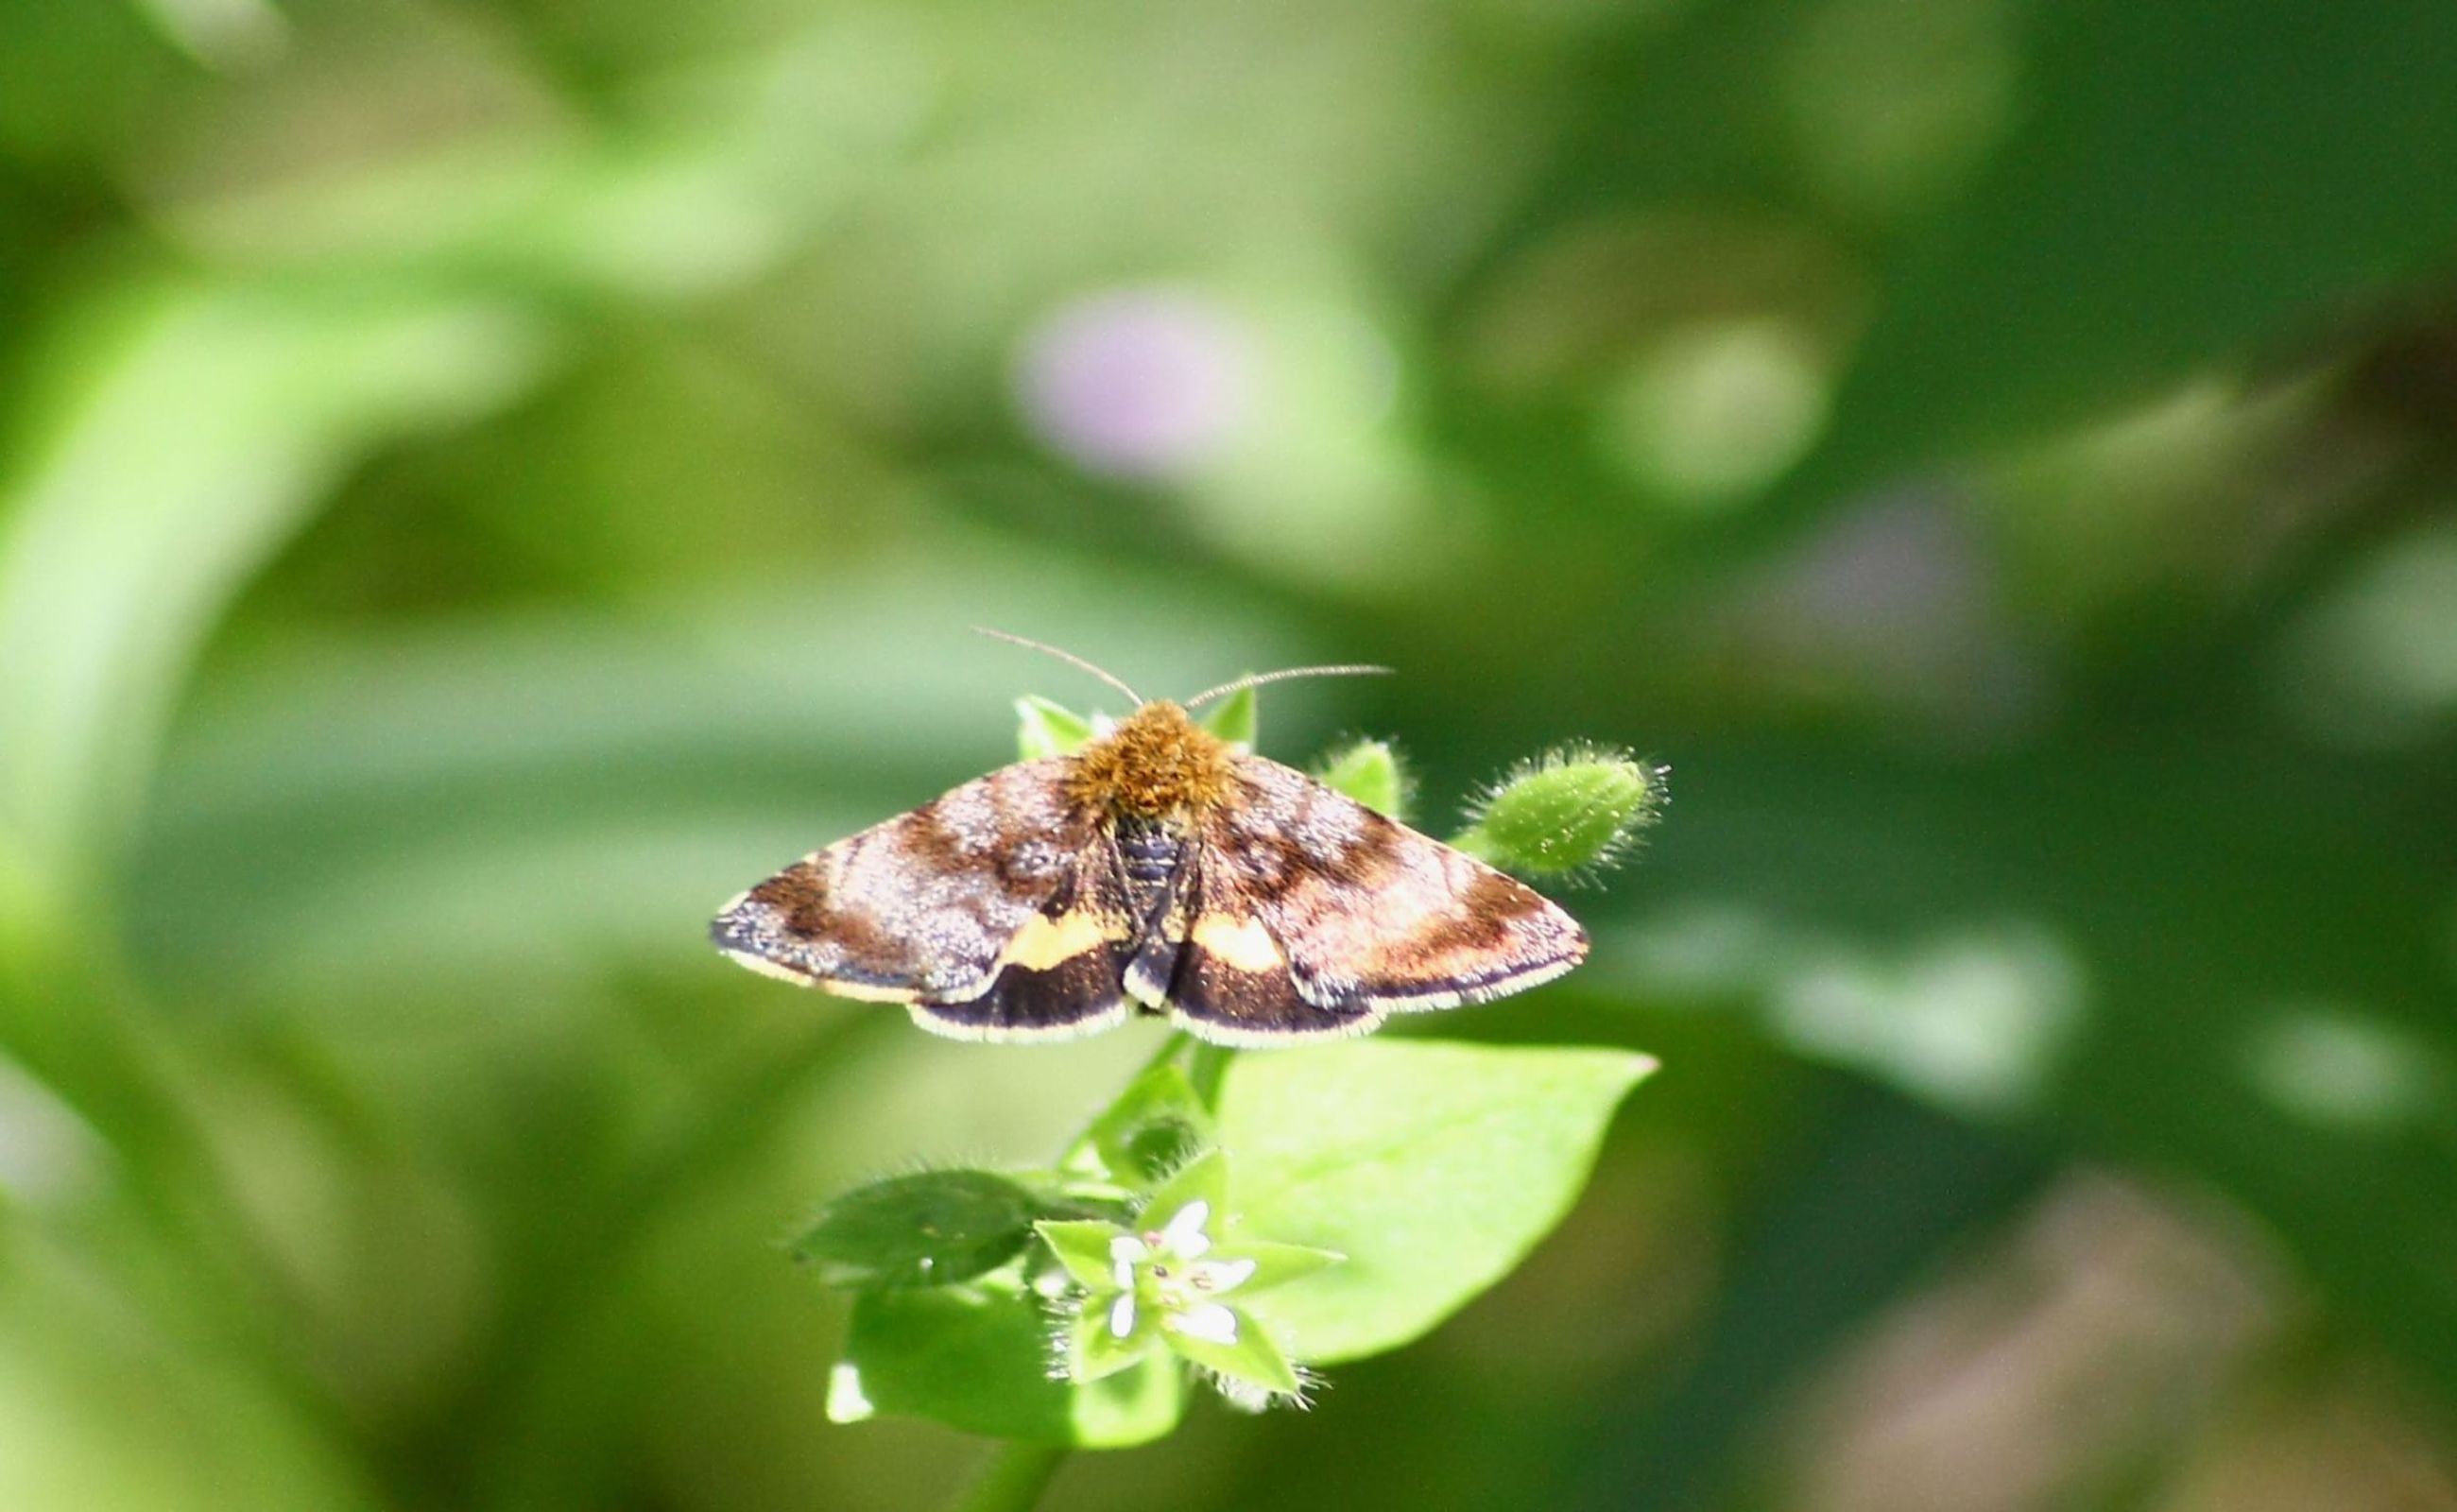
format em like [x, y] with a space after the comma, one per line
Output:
[1368, 772]
[1081, 1246]
[206, 426]
[1156, 1127]
[1047, 729]
[1251, 1356]
[977, 1359]
[932, 1228]
[1235, 718]
[1433, 1168]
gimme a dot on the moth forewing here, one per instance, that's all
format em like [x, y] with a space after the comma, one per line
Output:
[980, 910]
[1318, 916]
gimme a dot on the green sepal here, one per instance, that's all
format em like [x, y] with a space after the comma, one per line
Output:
[1205, 1180]
[1081, 1246]
[1274, 1264]
[1253, 1356]
[1094, 1352]
[1047, 728]
[1235, 718]
[934, 1227]
[1368, 771]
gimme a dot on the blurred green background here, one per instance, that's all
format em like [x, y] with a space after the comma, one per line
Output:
[482, 482]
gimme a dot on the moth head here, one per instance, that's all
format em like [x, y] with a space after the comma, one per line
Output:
[1158, 763]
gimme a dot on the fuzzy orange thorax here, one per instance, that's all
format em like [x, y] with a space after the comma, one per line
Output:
[1157, 763]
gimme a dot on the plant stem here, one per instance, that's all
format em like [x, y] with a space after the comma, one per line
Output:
[1205, 1068]
[1013, 1480]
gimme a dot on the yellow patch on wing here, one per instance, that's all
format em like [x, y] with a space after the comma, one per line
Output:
[1242, 944]
[1044, 942]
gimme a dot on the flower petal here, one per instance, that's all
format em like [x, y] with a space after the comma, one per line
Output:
[1249, 1358]
[1121, 1316]
[1220, 1276]
[1211, 1322]
[1183, 1235]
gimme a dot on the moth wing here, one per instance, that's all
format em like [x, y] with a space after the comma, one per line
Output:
[995, 911]
[1315, 916]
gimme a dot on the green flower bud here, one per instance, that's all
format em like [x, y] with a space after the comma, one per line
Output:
[1573, 809]
[1157, 1126]
[1368, 771]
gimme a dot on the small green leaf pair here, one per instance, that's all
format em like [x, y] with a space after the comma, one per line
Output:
[1179, 1281]
[1047, 728]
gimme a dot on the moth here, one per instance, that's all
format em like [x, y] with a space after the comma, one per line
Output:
[1157, 869]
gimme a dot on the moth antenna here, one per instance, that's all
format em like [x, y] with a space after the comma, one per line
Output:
[1066, 657]
[1283, 674]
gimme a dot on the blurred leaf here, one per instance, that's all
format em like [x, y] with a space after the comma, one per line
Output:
[99, 1410]
[1433, 1168]
[977, 1359]
[2092, 938]
[2184, 184]
[934, 1227]
[196, 437]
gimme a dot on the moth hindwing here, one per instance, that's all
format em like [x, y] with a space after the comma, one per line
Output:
[1154, 866]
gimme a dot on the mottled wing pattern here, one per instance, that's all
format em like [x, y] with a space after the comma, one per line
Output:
[1314, 915]
[996, 911]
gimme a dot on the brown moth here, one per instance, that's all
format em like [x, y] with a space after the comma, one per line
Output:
[1159, 869]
